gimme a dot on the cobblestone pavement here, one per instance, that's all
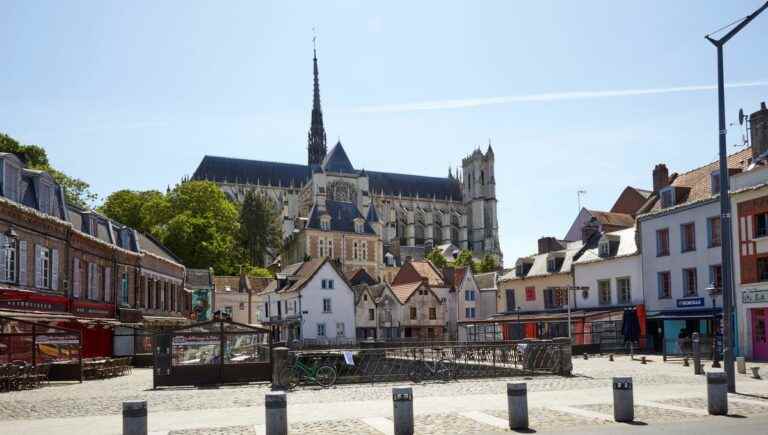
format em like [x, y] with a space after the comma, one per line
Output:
[62, 401]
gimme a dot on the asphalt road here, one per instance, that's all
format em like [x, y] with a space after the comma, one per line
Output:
[732, 424]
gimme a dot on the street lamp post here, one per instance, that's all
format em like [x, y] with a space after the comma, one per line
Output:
[715, 290]
[725, 204]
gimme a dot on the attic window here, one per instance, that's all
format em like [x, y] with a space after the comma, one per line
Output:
[604, 248]
[554, 264]
[714, 178]
[667, 197]
[359, 226]
[522, 269]
[325, 223]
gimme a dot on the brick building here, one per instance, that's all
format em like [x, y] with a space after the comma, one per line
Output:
[75, 268]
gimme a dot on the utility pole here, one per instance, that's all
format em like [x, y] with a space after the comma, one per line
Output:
[725, 204]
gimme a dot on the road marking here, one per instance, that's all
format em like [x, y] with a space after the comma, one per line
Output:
[260, 429]
[747, 401]
[672, 407]
[582, 412]
[381, 424]
[484, 418]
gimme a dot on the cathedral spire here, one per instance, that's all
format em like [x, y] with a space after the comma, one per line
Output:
[316, 146]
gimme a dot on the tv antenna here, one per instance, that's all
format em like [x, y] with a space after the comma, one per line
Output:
[579, 194]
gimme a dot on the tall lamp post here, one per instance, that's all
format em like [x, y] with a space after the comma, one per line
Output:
[725, 203]
[714, 290]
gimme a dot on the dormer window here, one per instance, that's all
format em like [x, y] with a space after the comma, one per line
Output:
[45, 198]
[667, 197]
[359, 226]
[10, 180]
[714, 179]
[522, 268]
[554, 264]
[604, 248]
[325, 222]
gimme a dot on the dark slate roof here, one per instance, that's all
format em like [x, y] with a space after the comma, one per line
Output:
[199, 278]
[373, 216]
[149, 244]
[337, 161]
[412, 185]
[221, 169]
[342, 214]
[29, 196]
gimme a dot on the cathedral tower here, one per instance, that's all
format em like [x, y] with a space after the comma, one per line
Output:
[316, 147]
[479, 197]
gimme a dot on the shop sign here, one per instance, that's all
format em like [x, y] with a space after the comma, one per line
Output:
[54, 339]
[32, 302]
[754, 296]
[93, 310]
[689, 303]
[196, 340]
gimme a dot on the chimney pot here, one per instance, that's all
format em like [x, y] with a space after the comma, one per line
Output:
[660, 177]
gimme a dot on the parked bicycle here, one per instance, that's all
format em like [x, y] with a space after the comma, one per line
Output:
[425, 369]
[299, 372]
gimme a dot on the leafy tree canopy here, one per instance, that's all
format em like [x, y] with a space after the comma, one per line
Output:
[76, 191]
[259, 227]
[437, 258]
[489, 264]
[464, 259]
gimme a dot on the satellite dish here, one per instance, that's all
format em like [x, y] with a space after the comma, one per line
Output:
[741, 116]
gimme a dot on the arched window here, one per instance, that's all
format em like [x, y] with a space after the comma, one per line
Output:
[482, 178]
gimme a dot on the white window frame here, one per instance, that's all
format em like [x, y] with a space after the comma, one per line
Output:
[604, 248]
[327, 306]
[8, 259]
[624, 293]
[340, 329]
[321, 330]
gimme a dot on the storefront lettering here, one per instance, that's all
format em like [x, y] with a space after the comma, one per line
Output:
[754, 296]
[687, 303]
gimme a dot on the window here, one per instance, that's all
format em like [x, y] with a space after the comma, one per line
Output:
[690, 286]
[359, 226]
[662, 242]
[413, 313]
[554, 264]
[432, 313]
[624, 290]
[124, 289]
[327, 284]
[469, 313]
[354, 250]
[553, 298]
[330, 248]
[45, 198]
[510, 293]
[340, 329]
[228, 311]
[371, 314]
[11, 182]
[530, 294]
[604, 291]
[321, 247]
[687, 237]
[325, 223]
[241, 306]
[714, 179]
[469, 295]
[326, 305]
[522, 269]
[665, 285]
[716, 276]
[324, 283]
[107, 284]
[713, 232]
[43, 269]
[761, 225]
[604, 248]
[7, 258]
[321, 329]
[667, 197]
[762, 269]
[364, 251]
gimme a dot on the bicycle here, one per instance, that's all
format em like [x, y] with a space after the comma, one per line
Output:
[438, 369]
[291, 376]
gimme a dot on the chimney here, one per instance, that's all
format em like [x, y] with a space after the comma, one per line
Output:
[589, 230]
[660, 177]
[758, 123]
[549, 244]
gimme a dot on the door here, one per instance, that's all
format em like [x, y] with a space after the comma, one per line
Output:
[759, 342]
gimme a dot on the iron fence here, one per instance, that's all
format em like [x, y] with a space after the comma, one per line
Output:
[440, 361]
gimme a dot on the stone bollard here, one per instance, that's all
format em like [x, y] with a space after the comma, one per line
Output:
[685, 362]
[517, 403]
[279, 362]
[623, 400]
[741, 365]
[642, 360]
[697, 369]
[610, 357]
[402, 399]
[586, 356]
[755, 372]
[717, 393]
[565, 348]
[135, 417]
[276, 408]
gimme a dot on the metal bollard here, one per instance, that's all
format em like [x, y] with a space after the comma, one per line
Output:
[717, 393]
[741, 365]
[517, 403]
[276, 407]
[642, 360]
[586, 356]
[135, 417]
[697, 369]
[755, 372]
[623, 400]
[610, 357]
[402, 398]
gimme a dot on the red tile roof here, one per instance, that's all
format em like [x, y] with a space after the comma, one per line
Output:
[404, 291]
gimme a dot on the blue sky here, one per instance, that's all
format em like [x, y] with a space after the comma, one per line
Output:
[134, 94]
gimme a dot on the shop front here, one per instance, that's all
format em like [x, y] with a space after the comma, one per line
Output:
[753, 322]
[673, 329]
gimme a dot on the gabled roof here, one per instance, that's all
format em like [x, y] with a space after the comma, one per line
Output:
[337, 161]
[225, 169]
[486, 281]
[375, 290]
[414, 185]
[695, 185]
[403, 292]
[300, 274]
[613, 219]
[199, 278]
[539, 267]
[373, 216]
[627, 246]
[418, 271]
[359, 276]
[343, 215]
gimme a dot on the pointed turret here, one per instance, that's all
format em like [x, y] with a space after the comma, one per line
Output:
[316, 144]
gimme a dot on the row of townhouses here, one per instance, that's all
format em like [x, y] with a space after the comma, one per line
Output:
[63, 266]
[655, 252]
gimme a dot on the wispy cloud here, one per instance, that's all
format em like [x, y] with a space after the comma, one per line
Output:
[544, 97]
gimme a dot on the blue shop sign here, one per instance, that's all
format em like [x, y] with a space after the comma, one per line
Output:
[688, 303]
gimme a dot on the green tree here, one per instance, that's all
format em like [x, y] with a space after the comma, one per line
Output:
[437, 258]
[76, 191]
[260, 229]
[489, 264]
[257, 271]
[145, 211]
[465, 259]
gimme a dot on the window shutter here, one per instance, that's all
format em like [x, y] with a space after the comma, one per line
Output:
[90, 280]
[54, 269]
[38, 266]
[23, 262]
[76, 277]
[107, 284]
[3, 258]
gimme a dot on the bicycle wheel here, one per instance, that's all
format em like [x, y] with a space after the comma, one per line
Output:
[326, 376]
[445, 370]
[415, 374]
[289, 378]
